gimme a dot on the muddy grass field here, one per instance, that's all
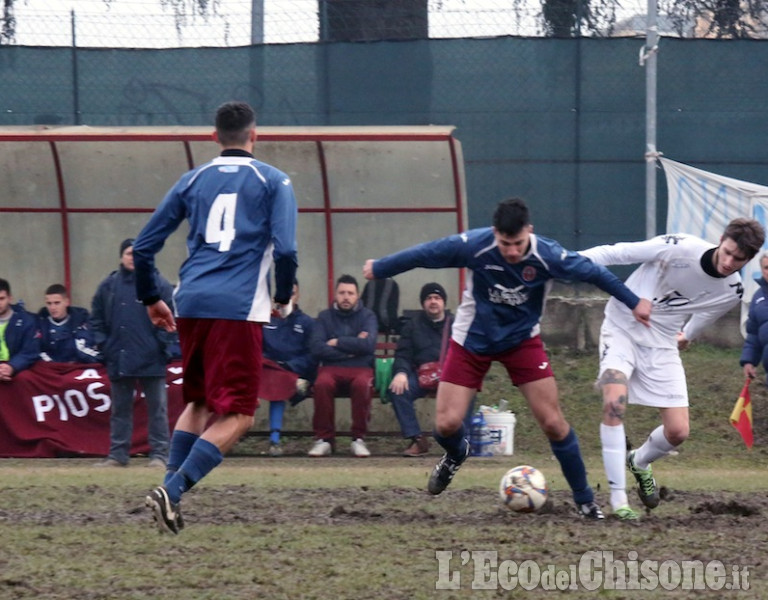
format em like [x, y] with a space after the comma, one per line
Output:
[364, 529]
[346, 528]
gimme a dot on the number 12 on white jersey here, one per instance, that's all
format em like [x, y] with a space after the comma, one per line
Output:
[220, 226]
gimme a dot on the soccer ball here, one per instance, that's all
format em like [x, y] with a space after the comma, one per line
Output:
[523, 489]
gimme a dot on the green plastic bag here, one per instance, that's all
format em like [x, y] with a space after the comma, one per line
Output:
[383, 377]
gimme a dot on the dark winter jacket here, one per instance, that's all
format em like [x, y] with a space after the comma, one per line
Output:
[68, 342]
[130, 344]
[351, 351]
[23, 339]
[755, 349]
[286, 341]
[420, 342]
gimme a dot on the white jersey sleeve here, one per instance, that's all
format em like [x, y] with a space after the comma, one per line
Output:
[685, 297]
[631, 253]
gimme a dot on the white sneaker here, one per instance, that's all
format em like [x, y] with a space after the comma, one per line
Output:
[359, 448]
[320, 448]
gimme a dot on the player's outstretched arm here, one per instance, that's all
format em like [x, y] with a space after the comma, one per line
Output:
[642, 312]
[161, 316]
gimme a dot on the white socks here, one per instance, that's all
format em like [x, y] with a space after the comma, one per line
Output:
[614, 443]
[654, 448]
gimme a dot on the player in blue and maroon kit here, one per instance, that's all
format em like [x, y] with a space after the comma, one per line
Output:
[242, 219]
[511, 270]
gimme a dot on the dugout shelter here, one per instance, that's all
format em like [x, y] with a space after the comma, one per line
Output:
[70, 195]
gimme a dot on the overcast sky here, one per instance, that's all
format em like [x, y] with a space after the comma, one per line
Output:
[149, 24]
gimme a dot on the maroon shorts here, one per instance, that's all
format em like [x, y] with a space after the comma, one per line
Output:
[222, 364]
[525, 362]
[277, 383]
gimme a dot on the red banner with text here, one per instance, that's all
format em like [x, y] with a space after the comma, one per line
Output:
[58, 410]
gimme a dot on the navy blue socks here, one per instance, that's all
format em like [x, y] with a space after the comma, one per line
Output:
[202, 459]
[568, 454]
[181, 444]
[455, 444]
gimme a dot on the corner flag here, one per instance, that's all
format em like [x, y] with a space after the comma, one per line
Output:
[741, 417]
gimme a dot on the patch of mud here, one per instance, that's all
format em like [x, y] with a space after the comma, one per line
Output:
[344, 506]
[732, 507]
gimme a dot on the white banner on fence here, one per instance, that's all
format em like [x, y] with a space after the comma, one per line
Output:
[703, 203]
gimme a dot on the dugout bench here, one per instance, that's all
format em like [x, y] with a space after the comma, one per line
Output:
[298, 419]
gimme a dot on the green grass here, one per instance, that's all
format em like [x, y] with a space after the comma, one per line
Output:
[714, 381]
[364, 529]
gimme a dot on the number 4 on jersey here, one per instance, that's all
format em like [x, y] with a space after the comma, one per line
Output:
[220, 227]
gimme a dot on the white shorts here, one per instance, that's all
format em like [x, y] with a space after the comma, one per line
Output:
[656, 376]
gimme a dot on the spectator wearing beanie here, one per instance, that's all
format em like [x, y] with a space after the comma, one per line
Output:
[421, 341]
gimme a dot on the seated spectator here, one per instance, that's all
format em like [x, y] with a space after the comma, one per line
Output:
[19, 336]
[64, 331]
[289, 368]
[343, 341]
[423, 339]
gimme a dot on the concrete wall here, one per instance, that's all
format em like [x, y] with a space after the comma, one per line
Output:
[574, 322]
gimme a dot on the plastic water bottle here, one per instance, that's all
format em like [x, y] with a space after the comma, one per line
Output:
[480, 436]
[503, 405]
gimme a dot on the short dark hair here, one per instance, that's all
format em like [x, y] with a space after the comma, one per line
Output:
[347, 279]
[234, 121]
[56, 288]
[511, 216]
[5, 286]
[748, 234]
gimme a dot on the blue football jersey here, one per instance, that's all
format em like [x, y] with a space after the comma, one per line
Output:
[502, 303]
[242, 219]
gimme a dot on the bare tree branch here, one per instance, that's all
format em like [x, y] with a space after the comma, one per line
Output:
[183, 10]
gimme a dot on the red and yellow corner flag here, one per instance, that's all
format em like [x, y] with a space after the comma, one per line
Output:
[741, 417]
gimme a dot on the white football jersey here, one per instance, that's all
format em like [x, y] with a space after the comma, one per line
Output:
[685, 297]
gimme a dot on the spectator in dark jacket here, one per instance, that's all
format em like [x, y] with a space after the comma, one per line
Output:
[19, 336]
[755, 349]
[287, 360]
[423, 339]
[65, 333]
[135, 351]
[344, 342]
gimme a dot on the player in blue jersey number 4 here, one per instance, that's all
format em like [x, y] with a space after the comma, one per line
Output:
[242, 218]
[498, 320]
